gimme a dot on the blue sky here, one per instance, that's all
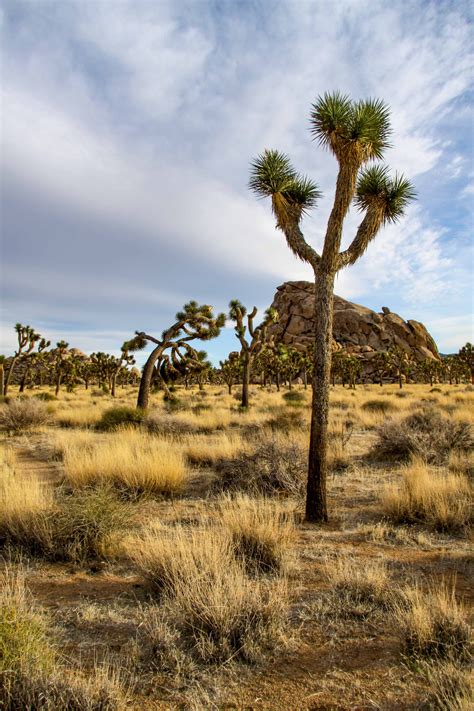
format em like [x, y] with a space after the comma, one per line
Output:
[127, 132]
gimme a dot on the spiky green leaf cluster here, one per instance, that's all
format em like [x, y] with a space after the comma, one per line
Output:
[376, 187]
[272, 175]
[340, 124]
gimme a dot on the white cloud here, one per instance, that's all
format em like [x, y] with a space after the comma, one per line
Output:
[146, 116]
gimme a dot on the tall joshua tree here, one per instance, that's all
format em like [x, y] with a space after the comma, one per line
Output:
[466, 356]
[356, 132]
[125, 358]
[252, 338]
[27, 339]
[193, 322]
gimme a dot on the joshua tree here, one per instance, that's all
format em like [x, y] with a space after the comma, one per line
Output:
[381, 365]
[466, 355]
[352, 367]
[231, 369]
[399, 363]
[356, 133]
[124, 359]
[430, 369]
[2, 373]
[60, 363]
[252, 345]
[33, 360]
[27, 339]
[193, 322]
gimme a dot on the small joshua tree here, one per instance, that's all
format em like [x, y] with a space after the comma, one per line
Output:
[400, 363]
[231, 370]
[466, 356]
[253, 343]
[356, 132]
[27, 339]
[381, 365]
[125, 358]
[194, 322]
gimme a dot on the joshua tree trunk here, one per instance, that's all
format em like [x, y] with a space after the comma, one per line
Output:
[113, 383]
[400, 382]
[316, 504]
[58, 385]
[9, 375]
[245, 381]
[145, 382]
[305, 378]
[2, 379]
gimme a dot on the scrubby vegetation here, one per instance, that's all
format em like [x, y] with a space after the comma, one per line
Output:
[180, 543]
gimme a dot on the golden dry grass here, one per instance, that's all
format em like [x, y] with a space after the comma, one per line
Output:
[443, 500]
[434, 624]
[131, 460]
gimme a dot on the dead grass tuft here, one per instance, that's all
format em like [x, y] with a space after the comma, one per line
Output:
[433, 625]
[427, 434]
[23, 415]
[443, 501]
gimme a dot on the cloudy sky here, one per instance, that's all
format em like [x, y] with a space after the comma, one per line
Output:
[127, 132]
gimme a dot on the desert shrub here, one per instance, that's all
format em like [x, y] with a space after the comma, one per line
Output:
[436, 390]
[157, 423]
[209, 609]
[360, 587]
[261, 532]
[286, 420]
[97, 393]
[294, 398]
[462, 463]
[23, 415]
[426, 433]
[30, 676]
[46, 397]
[87, 524]
[206, 450]
[444, 501]
[131, 461]
[379, 405]
[339, 404]
[118, 416]
[433, 626]
[66, 527]
[272, 467]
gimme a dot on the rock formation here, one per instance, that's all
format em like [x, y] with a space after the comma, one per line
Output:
[356, 328]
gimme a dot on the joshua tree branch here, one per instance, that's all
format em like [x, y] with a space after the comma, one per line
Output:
[298, 244]
[368, 229]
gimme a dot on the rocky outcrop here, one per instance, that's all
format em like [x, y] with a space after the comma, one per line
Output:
[356, 328]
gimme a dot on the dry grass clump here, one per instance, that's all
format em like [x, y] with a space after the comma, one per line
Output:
[159, 423]
[23, 415]
[25, 509]
[426, 433]
[274, 465]
[30, 676]
[433, 625]
[462, 463]
[132, 461]
[360, 587]
[444, 501]
[208, 449]
[62, 527]
[261, 532]
[451, 686]
[209, 610]
[379, 405]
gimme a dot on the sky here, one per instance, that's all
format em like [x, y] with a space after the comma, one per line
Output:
[127, 133]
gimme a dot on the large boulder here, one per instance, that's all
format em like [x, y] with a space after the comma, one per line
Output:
[356, 328]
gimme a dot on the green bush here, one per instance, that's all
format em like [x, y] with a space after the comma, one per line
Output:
[378, 406]
[118, 416]
[294, 398]
[46, 397]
